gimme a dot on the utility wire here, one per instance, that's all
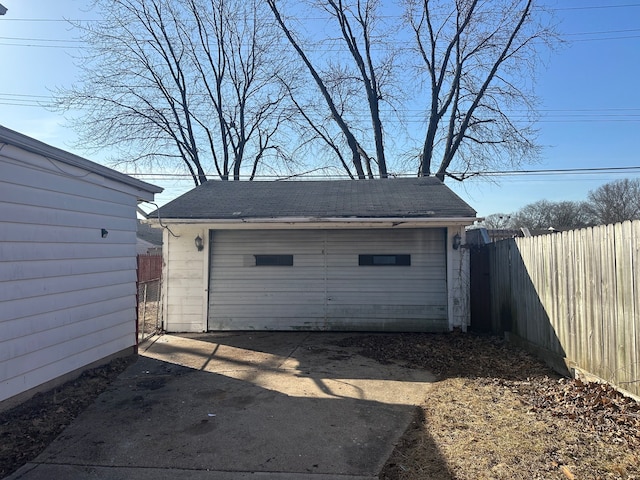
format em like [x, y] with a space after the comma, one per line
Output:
[578, 115]
[550, 171]
[557, 9]
[77, 44]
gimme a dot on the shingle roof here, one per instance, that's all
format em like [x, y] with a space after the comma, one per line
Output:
[149, 234]
[389, 198]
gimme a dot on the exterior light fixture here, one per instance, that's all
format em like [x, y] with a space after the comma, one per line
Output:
[199, 243]
[3, 9]
[456, 241]
[104, 233]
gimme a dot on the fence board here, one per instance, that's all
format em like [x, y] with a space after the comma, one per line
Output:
[635, 323]
[149, 267]
[574, 295]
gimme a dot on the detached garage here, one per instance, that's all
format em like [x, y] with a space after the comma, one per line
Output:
[376, 255]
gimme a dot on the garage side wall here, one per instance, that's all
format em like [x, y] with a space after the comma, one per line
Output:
[67, 288]
[459, 280]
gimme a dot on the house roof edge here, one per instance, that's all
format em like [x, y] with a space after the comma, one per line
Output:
[32, 145]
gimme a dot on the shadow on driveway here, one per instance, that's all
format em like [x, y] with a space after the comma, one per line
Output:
[241, 405]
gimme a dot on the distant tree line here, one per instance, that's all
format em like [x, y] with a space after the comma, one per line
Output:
[612, 202]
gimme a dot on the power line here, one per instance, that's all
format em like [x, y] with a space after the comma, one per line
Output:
[494, 173]
[77, 44]
[29, 45]
[557, 9]
[24, 95]
[546, 114]
[627, 37]
[416, 111]
[634, 119]
[596, 7]
[26, 39]
[601, 32]
[557, 171]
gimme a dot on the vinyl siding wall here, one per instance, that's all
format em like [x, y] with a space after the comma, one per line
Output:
[67, 295]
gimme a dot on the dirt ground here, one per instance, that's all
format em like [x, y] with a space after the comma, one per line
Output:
[27, 429]
[494, 413]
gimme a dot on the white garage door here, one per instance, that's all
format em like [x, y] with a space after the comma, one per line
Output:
[375, 280]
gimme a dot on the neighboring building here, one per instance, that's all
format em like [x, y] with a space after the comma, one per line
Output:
[149, 240]
[482, 236]
[67, 264]
[372, 255]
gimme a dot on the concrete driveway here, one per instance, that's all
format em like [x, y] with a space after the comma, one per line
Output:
[240, 406]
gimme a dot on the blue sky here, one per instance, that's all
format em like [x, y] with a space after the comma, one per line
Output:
[590, 97]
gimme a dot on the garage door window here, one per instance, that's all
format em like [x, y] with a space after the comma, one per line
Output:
[274, 260]
[384, 260]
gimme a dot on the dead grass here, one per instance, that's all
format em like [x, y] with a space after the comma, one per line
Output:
[486, 431]
[498, 413]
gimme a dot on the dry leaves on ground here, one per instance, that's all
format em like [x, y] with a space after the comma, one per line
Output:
[496, 412]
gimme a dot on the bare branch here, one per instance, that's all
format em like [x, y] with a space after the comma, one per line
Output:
[195, 78]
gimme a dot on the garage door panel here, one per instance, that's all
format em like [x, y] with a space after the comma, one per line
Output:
[268, 299]
[244, 296]
[370, 324]
[238, 288]
[237, 242]
[346, 263]
[294, 322]
[398, 283]
[381, 238]
[373, 294]
[326, 288]
[249, 261]
[261, 276]
[385, 311]
[397, 297]
[363, 302]
[386, 278]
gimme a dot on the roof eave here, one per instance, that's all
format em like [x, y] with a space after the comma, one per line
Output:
[320, 222]
[32, 145]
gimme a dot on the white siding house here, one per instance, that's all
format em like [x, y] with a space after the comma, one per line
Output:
[67, 263]
[375, 255]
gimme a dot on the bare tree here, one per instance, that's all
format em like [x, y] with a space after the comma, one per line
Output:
[544, 215]
[469, 65]
[356, 80]
[616, 201]
[498, 221]
[193, 81]
[207, 85]
[478, 59]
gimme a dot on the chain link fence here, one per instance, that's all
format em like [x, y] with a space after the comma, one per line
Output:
[149, 308]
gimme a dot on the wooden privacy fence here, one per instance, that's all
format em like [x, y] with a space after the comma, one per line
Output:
[575, 297]
[149, 267]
